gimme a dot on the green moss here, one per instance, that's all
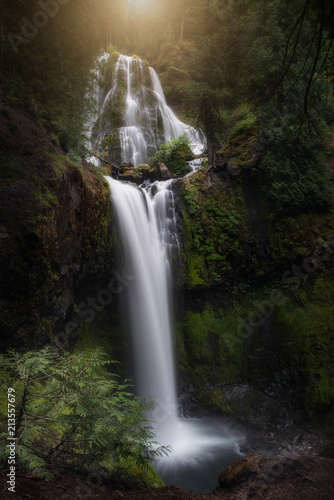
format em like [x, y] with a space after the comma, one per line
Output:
[214, 349]
[205, 353]
[59, 162]
[309, 334]
[99, 248]
[46, 198]
[215, 233]
[144, 166]
[244, 125]
[213, 400]
[241, 471]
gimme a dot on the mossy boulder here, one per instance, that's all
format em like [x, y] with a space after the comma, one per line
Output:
[241, 471]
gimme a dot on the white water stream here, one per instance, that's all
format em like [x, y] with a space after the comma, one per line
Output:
[147, 229]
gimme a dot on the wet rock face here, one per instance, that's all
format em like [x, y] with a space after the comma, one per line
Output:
[49, 210]
[162, 173]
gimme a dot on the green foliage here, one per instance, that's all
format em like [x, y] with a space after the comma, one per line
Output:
[295, 177]
[174, 155]
[48, 73]
[71, 411]
[282, 71]
[245, 124]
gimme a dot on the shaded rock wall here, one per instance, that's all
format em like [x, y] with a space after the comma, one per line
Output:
[53, 231]
[255, 335]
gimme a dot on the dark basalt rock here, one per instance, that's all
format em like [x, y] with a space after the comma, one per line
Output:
[162, 173]
[243, 470]
[49, 212]
[276, 477]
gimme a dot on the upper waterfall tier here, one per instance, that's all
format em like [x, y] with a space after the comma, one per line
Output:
[134, 118]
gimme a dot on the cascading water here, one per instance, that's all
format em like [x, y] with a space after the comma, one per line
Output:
[134, 118]
[147, 230]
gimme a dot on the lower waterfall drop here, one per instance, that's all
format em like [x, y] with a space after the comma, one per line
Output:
[145, 225]
[148, 235]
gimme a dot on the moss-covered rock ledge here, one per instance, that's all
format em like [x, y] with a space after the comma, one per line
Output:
[255, 336]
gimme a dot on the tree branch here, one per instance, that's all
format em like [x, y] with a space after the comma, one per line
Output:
[105, 161]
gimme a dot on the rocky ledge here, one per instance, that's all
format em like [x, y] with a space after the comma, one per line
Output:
[279, 477]
[142, 173]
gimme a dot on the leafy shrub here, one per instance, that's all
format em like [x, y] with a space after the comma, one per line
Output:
[71, 411]
[174, 154]
[295, 177]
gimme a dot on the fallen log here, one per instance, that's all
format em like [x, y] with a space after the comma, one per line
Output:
[105, 161]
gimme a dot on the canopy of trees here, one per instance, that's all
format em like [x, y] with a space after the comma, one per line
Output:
[274, 57]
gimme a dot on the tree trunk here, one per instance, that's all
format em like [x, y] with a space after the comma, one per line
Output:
[182, 28]
[182, 20]
[212, 153]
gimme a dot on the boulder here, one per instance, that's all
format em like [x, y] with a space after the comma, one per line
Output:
[241, 471]
[128, 172]
[276, 477]
[162, 173]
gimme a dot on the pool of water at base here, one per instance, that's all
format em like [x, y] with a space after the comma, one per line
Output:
[201, 449]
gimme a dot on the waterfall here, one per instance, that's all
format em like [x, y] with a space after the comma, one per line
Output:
[173, 127]
[147, 227]
[134, 118]
[145, 219]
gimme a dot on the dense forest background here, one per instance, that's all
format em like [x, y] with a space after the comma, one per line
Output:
[264, 65]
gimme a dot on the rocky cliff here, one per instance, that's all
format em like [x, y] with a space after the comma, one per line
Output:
[53, 230]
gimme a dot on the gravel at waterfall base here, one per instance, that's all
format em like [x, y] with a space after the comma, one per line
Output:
[254, 476]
